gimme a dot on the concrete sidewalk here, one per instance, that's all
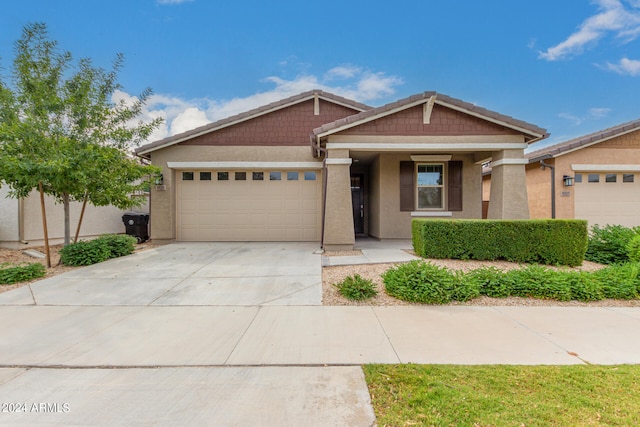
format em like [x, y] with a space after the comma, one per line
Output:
[308, 335]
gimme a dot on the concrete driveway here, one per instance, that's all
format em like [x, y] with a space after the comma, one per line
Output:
[189, 274]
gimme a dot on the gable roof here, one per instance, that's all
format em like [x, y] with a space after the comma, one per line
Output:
[248, 115]
[583, 141]
[534, 132]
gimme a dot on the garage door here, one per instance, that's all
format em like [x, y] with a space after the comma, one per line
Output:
[249, 205]
[608, 198]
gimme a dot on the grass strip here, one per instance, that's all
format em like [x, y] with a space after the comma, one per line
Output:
[499, 395]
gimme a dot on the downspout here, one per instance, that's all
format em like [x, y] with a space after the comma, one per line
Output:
[553, 186]
[317, 149]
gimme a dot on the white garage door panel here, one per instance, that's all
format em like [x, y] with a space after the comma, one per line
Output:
[609, 202]
[249, 210]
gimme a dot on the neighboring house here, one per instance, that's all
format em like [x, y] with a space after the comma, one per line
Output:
[21, 220]
[319, 167]
[597, 177]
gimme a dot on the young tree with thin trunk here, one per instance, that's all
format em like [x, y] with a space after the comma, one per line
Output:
[60, 129]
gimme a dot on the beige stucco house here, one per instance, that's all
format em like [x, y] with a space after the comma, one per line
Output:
[596, 177]
[319, 167]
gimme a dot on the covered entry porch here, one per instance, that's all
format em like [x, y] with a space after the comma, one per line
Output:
[419, 157]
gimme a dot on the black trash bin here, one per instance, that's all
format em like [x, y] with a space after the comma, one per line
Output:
[137, 225]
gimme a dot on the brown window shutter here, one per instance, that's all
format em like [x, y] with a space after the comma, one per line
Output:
[455, 185]
[407, 191]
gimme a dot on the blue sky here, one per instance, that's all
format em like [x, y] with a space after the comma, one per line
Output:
[570, 66]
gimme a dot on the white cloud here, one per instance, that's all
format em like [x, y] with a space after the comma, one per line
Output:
[592, 114]
[340, 73]
[182, 115]
[599, 113]
[625, 66]
[619, 17]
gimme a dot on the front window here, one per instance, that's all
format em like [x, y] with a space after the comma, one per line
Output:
[430, 186]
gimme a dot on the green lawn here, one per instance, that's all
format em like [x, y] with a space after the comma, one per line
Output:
[447, 395]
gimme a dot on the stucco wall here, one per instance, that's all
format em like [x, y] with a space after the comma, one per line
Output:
[96, 221]
[539, 190]
[388, 222]
[8, 216]
[163, 202]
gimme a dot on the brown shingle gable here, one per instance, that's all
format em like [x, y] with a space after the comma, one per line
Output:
[584, 141]
[256, 112]
[534, 131]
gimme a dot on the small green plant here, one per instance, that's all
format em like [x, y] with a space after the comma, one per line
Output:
[10, 273]
[584, 286]
[538, 282]
[85, 253]
[490, 281]
[97, 250]
[119, 244]
[609, 244]
[633, 249]
[356, 288]
[418, 281]
[619, 281]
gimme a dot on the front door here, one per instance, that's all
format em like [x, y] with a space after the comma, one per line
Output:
[357, 200]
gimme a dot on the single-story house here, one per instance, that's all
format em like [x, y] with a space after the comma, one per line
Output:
[320, 167]
[21, 220]
[595, 177]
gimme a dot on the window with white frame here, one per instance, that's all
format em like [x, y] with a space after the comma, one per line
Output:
[430, 188]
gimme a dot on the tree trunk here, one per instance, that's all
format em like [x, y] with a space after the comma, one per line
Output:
[44, 226]
[84, 205]
[67, 225]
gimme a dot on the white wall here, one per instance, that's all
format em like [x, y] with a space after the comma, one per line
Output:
[8, 216]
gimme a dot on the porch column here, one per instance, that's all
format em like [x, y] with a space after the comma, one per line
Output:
[338, 213]
[508, 198]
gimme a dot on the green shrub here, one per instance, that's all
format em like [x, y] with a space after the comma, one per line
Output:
[119, 244]
[490, 282]
[633, 249]
[609, 244]
[584, 286]
[561, 242]
[464, 289]
[85, 253]
[418, 281]
[619, 281]
[97, 250]
[20, 273]
[356, 288]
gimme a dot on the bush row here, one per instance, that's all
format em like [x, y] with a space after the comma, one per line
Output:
[10, 273]
[97, 250]
[423, 282]
[553, 242]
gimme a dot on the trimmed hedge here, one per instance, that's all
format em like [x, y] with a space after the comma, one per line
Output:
[547, 241]
[420, 281]
[97, 250]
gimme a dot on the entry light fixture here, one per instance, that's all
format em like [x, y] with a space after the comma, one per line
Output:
[567, 181]
[159, 179]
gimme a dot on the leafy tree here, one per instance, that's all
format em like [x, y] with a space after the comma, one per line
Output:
[61, 131]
